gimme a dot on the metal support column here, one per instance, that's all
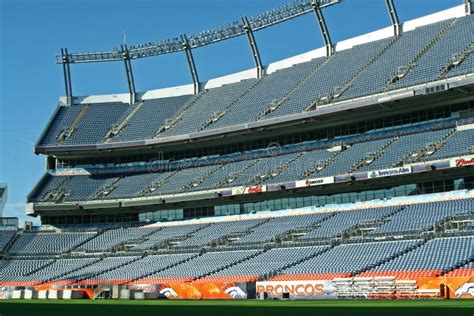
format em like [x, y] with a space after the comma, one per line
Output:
[253, 47]
[392, 11]
[323, 27]
[192, 65]
[468, 7]
[67, 75]
[129, 73]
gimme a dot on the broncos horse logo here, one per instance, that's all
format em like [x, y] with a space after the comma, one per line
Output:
[465, 289]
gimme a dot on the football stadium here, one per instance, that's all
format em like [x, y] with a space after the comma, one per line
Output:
[337, 181]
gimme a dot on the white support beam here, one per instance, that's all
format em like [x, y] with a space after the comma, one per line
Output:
[253, 47]
[323, 27]
[129, 73]
[192, 65]
[67, 75]
[392, 11]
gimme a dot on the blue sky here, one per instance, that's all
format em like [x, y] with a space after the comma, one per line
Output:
[32, 33]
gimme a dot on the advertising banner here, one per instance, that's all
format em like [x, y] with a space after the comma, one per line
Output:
[72, 172]
[389, 172]
[462, 162]
[198, 291]
[312, 290]
[319, 181]
[238, 190]
[255, 189]
[314, 182]
[460, 287]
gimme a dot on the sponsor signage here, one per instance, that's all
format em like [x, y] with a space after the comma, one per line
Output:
[462, 162]
[297, 289]
[319, 181]
[314, 182]
[198, 291]
[71, 172]
[389, 172]
[238, 190]
[255, 189]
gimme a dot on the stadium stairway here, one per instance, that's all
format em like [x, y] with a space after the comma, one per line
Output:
[379, 263]
[217, 116]
[78, 246]
[57, 279]
[145, 279]
[357, 231]
[197, 181]
[425, 153]
[235, 175]
[156, 184]
[208, 276]
[293, 235]
[370, 157]
[104, 191]
[330, 276]
[466, 270]
[321, 165]
[454, 62]
[226, 241]
[69, 131]
[41, 267]
[362, 71]
[278, 274]
[260, 178]
[177, 239]
[177, 117]
[128, 244]
[115, 130]
[413, 273]
[407, 68]
[461, 269]
[57, 194]
[272, 108]
[93, 278]
[9, 245]
[456, 223]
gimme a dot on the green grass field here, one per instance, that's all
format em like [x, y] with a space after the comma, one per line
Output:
[241, 308]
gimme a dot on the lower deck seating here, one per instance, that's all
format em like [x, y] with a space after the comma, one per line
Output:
[431, 259]
[466, 270]
[5, 237]
[346, 260]
[401, 259]
[323, 244]
[48, 243]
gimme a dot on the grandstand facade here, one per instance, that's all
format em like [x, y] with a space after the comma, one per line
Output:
[350, 164]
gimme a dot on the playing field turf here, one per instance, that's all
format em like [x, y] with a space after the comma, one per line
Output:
[241, 308]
